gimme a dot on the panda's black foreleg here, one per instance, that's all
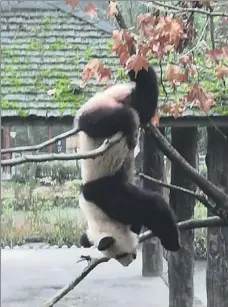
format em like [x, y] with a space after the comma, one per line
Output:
[132, 205]
[104, 122]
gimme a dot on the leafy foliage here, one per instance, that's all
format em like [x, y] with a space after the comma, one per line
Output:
[169, 39]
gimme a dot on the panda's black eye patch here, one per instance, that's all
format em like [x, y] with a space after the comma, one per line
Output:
[105, 243]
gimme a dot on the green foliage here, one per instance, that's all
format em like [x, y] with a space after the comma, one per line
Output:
[56, 226]
[50, 212]
[59, 172]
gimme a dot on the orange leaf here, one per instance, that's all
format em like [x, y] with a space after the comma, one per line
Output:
[221, 72]
[95, 69]
[112, 9]
[174, 74]
[91, 10]
[104, 74]
[73, 3]
[200, 97]
[137, 63]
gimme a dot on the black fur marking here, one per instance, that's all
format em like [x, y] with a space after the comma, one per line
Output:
[104, 122]
[145, 95]
[105, 243]
[131, 205]
[84, 241]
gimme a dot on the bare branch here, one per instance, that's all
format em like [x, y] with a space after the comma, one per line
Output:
[200, 38]
[176, 9]
[93, 262]
[218, 196]
[51, 157]
[198, 196]
[41, 145]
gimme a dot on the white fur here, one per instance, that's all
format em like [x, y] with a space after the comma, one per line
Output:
[99, 224]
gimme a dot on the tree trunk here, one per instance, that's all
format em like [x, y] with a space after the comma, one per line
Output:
[153, 164]
[217, 238]
[181, 263]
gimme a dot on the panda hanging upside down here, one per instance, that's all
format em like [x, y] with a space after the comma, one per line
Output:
[115, 209]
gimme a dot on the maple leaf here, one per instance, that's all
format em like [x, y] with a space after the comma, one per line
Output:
[51, 92]
[95, 69]
[123, 43]
[137, 63]
[185, 59]
[73, 3]
[174, 74]
[105, 74]
[200, 97]
[218, 54]
[146, 24]
[221, 72]
[112, 9]
[91, 10]
[174, 109]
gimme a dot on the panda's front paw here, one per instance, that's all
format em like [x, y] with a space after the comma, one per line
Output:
[132, 141]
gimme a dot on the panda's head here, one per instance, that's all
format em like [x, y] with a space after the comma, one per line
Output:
[109, 247]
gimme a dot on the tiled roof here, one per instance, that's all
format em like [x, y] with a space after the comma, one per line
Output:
[44, 45]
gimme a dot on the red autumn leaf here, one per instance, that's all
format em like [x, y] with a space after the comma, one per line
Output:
[112, 9]
[73, 3]
[200, 97]
[218, 54]
[185, 59]
[137, 63]
[221, 72]
[174, 74]
[146, 24]
[91, 10]
[174, 109]
[95, 69]
[104, 74]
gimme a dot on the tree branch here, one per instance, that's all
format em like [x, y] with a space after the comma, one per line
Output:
[51, 157]
[185, 10]
[41, 145]
[93, 262]
[198, 196]
[218, 196]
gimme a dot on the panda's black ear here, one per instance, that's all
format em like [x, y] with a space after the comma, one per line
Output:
[105, 243]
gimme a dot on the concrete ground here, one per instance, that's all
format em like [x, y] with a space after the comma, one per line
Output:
[29, 277]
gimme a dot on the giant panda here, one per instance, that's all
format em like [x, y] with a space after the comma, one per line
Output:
[114, 208]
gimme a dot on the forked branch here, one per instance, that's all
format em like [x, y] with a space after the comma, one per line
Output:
[51, 157]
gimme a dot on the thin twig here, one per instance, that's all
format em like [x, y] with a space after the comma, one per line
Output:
[198, 196]
[41, 145]
[108, 143]
[185, 225]
[200, 38]
[185, 10]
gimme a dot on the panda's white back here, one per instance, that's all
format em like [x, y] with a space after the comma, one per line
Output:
[105, 164]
